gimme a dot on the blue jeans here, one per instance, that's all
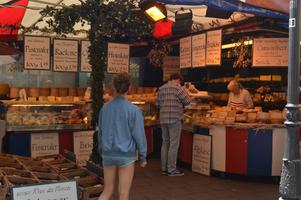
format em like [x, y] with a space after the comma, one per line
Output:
[171, 134]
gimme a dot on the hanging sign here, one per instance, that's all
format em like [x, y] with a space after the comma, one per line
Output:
[84, 61]
[214, 47]
[185, 52]
[65, 55]
[66, 190]
[118, 58]
[270, 52]
[199, 50]
[83, 144]
[44, 144]
[36, 52]
[201, 155]
[171, 65]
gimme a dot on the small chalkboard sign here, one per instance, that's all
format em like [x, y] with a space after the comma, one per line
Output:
[201, 155]
[66, 190]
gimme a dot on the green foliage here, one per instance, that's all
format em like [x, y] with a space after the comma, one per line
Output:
[110, 21]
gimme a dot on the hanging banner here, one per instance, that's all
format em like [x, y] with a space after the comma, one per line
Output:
[270, 52]
[83, 145]
[84, 61]
[185, 52]
[199, 50]
[171, 65]
[118, 58]
[65, 55]
[44, 144]
[214, 47]
[66, 190]
[201, 155]
[36, 52]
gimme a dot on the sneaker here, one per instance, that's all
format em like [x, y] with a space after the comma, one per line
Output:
[163, 172]
[176, 173]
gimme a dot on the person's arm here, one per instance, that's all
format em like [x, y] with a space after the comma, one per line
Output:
[183, 96]
[139, 135]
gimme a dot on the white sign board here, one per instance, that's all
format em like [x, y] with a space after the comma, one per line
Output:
[65, 55]
[36, 52]
[214, 47]
[83, 145]
[185, 52]
[270, 52]
[43, 144]
[199, 50]
[84, 61]
[51, 191]
[171, 65]
[118, 58]
[201, 154]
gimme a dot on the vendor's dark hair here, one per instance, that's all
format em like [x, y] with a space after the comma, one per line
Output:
[176, 76]
[122, 83]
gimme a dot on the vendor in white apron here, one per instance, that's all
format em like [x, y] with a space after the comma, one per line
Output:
[239, 98]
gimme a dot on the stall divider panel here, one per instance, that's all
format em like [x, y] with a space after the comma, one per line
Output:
[218, 161]
[149, 139]
[185, 150]
[66, 141]
[278, 150]
[236, 150]
[19, 144]
[260, 152]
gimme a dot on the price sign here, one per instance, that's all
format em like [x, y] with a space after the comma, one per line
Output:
[51, 191]
[36, 53]
[118, 58]
[201, 155]
[65, 55]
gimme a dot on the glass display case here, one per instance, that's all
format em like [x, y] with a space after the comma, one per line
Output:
[39, 116]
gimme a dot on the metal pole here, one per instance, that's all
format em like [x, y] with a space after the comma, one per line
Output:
[290, 183]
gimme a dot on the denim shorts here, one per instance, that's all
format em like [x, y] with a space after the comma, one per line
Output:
[108, 161]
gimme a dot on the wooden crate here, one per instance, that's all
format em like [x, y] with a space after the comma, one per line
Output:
[16, 172]
[3, 188]
[17, 180]
[90, 186]
[78, 173]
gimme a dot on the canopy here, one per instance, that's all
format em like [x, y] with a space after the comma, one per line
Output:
[27, 13]
[241, 10]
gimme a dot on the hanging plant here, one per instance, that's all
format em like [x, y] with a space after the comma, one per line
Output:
[157, 54]
[110, 21]
[241, 52]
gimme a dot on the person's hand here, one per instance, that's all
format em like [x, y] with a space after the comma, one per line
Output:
[143, 163]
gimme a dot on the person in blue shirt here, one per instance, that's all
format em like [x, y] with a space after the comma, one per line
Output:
[120, 136]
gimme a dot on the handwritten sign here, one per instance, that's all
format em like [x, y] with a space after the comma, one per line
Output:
[43, 144]
[171, 65]
[83, 144]
[185, 52]
[36, 52]
[65, 55]
[214, 47]
[201, 155]
[118, 58]
[52, 191]
[270, 52]
[199, 50]
[84, 61]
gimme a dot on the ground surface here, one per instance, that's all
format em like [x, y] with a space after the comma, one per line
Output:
[149, 184]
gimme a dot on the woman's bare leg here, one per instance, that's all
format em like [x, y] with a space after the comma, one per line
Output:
[109, 182]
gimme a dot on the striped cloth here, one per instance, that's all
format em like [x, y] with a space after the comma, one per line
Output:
[171, 98]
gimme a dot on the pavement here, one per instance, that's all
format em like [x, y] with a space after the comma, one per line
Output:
[149, 184]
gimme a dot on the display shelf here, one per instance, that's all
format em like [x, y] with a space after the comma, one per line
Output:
[26, 128]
